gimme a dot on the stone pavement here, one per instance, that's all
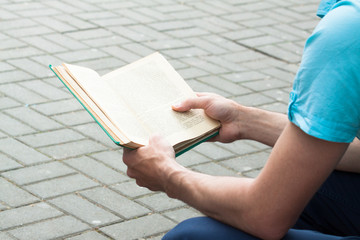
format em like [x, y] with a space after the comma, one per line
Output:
[60, 175]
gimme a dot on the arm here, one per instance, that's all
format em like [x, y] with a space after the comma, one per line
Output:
[265, 207]
[256, 124]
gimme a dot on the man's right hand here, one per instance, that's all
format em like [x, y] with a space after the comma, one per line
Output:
[219, 108]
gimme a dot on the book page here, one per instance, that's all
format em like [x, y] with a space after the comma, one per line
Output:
[90, 105]
[109, 102]
[150, 86]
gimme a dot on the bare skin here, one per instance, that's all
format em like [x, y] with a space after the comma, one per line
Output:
[266, 206]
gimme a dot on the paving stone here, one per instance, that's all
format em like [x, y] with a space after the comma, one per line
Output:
[13, 126]
[108, 63]
[65, 41]
[160, 202]
[90, 33]
[88, 235]
[27, 214]
[241, 147]
[2, 135]
[121, 53]
[280, 53]
[192, 158]
[115, 202]
[51, 138]
[276, 107]
[105, 41]
[45, 60]
[61, 6]
[280, 74]
[71, 149]
[63, 106]
[43, 44]
[112, 159]
[130, 189]
[96, 170]
[247, 162]
[14, 76]
[213, 151]
[266, 84]
[113, 21]
[29, 31]
[140, 227]
[167, 44]
[7, 164]
[74, 21]
[84, 210]
[10, 43]
[3, 207]
[244, 76]
[50, 229]
[190, 14]
[21, 94]
[81, 55]
[45, 89]
[192, 72]
[136, 17]
[253, 100]
[13, 195]
[34, 119]
[138, 49]
[55, 24]
[5, 236]
[37, 173]
[6, 102]
[21, 152]
[206, 45]
[60, 186]
[23, 6]
[38, 12]
[94, 131]
[184, 52]
[170, 25]
[214, 169]
[198, 86]
[16, 23]
[74, 118]
[179, 215]
[5, 67]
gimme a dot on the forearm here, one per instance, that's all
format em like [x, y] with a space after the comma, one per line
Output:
[222, 198]
[262, 126]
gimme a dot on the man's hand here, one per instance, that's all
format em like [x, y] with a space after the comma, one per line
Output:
[219, 108]
[152, 165]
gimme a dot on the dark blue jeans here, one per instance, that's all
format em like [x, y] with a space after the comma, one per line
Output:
[333, 213]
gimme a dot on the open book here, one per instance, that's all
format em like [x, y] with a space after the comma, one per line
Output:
[133, 102]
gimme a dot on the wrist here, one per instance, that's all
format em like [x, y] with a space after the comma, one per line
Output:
[261, 125]
[174, 180]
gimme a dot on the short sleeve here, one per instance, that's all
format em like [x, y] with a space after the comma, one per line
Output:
[325, 101]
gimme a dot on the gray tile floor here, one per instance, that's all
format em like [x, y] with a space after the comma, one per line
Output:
[60, 175]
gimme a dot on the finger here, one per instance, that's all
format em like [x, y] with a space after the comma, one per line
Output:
[191, 103]
[128, 155]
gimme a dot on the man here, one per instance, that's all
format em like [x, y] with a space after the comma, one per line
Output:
[299, 194]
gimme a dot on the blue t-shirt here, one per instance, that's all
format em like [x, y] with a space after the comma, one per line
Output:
[325, 101]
